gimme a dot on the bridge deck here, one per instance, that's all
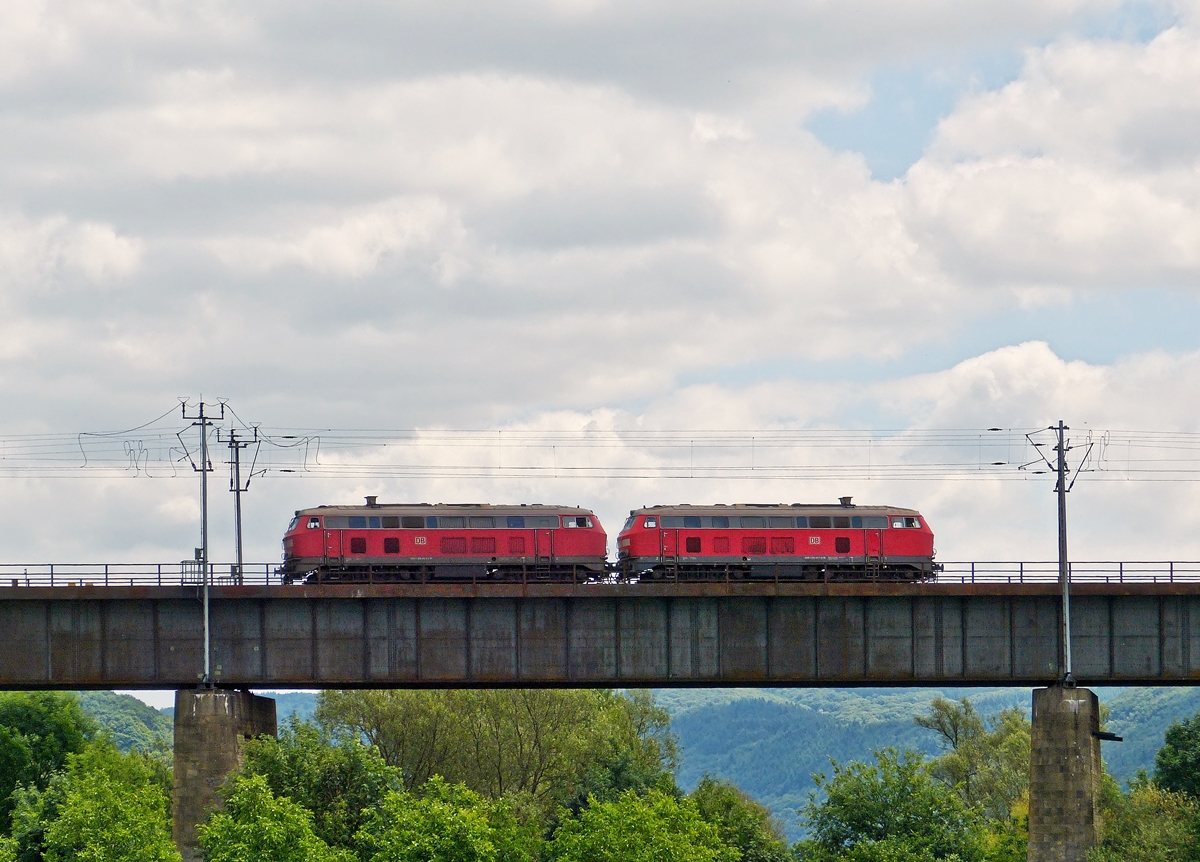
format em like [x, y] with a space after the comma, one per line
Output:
[761, 634]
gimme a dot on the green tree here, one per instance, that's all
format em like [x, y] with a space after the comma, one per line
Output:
[414, 731]
[546, 746]
[986, 762]
[896, 804]
[113, 809]
[1149, 824]
[38, 730]
[8, 849]
[256, 825]
[1177, 764]
[335, 780]
[444, 823]
[653, 827]
[742, 823]
[103, 806]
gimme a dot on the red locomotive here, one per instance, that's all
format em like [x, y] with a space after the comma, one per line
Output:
[843, 542]
[420, 541]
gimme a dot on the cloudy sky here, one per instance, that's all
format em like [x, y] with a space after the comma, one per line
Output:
[579, 214]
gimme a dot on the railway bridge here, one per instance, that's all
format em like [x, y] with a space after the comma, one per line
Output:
[978, 624]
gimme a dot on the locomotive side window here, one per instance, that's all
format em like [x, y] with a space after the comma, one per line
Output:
[391, 522]
[431, 522]
[902, 523]
[841, 522]
[777, 523]
[412, 522]
[542, 522]
[718, 522]
[452, 522]
[753, 522]
[516, 522]
[650, 523]
[482, 522]
[869, 522]
[358, 522]
[336, 522]
[314, 523]
[820, 522]
[802, 522]
[373, 522]
[581, 521]
[681, 522]
[391, 546]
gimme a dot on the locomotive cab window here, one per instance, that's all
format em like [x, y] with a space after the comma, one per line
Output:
[572, 521]
[905, 523]
[294, 522]
[628, 523]
[650, 523]
[314, 523]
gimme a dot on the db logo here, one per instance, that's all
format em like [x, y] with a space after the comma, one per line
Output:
[418, 540]
[814, 540]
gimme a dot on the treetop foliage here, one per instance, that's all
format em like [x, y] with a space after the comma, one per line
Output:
[38, 731]
[1177, 765]
[895, 803]
[653, 827]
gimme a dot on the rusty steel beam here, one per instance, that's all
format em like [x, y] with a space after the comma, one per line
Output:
[597, 635]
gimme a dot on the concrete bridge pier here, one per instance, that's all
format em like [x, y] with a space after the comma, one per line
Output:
[1064, 774]
[210, 725]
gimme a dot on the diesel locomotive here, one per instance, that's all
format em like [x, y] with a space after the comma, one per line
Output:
[425, 542]
[463, 542]
[794, 542]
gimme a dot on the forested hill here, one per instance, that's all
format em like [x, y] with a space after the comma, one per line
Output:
[771, 741]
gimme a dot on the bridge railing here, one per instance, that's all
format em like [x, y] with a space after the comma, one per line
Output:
[189, 573]
[1089, 571]
[185, 573]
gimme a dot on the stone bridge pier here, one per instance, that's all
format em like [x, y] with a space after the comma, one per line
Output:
[210, 725]
[1064, 774]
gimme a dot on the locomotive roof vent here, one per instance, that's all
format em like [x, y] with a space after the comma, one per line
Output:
[371, 503]
[845, 501]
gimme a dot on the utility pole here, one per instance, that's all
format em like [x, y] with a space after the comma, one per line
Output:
[1064, 567]
[204, 422]
[235, 485]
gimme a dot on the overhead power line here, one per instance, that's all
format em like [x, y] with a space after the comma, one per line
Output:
[154, 450]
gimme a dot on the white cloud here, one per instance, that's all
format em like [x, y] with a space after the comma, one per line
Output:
[35, 253]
